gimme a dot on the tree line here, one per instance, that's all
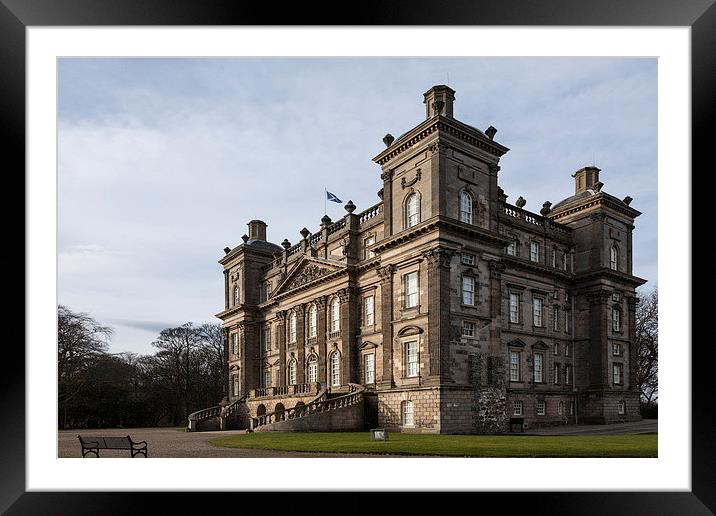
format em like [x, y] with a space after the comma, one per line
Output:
[99, 389]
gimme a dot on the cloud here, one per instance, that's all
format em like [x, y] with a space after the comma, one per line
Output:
[162, 162]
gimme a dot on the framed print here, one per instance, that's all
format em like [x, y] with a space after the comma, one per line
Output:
[61, 58]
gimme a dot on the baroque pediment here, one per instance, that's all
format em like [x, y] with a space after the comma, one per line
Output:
[307, 272]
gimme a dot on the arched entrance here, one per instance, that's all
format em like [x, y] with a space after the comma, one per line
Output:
[280, 412]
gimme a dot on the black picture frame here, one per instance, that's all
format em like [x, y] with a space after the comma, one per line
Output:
[17, 15]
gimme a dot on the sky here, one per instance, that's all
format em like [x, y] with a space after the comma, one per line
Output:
[162, 162]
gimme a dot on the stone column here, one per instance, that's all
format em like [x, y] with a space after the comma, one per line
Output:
[226, 387]
[348, 330]
[300, 343]
[598, 332]
[386, 274]
[387, 177]
[438, 261]
[281, 341]
[631, 310]
[321, 330]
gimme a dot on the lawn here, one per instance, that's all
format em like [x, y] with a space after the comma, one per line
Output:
[644, 445]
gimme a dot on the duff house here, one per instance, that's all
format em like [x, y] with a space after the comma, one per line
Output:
[443, 308]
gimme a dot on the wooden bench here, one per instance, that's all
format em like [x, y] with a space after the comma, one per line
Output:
[95, 444]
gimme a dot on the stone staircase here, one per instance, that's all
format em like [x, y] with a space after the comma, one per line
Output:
[325, 413]
[218, 417]
[328, 411]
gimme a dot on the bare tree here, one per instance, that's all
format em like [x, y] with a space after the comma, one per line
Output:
[647, 346]
[80, 342]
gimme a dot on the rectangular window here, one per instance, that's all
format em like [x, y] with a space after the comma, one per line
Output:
[537, 311]
[468, 329]
[366, 244]
[566, 350]
[568, 374]
[408, 419]
[622, 408]
[554, 257]
[564, 260]
[517, 408]
[514, 308]
[616, 319]
[556, 374]
[534, 252]
[555, 350]
[541, 409]
[268, 289]
[512, 247]
[616, 349]
[617, 370]
[369, 367]
[369, 310]
[567, 314]
[410, 289]
[266, 338]
[539, 360]
[235, 343]
[267, 378]
[235, 384]
[468, 290]
[514, 366]
[571, 408]
[468, 259]
[555, 319]
[411, 358]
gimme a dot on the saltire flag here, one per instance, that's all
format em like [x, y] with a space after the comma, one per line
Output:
[331, 197]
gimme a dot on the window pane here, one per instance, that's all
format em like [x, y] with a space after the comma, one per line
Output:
[411, 358]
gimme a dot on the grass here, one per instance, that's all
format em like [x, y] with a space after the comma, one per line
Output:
[643, 445]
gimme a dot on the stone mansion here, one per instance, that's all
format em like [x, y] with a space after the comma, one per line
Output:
[442, 308]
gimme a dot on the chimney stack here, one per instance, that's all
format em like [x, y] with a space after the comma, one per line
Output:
[438, 101]
[586, 178]
[257, 230]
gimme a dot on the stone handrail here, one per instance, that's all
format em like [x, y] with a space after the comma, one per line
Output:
[335, 227]
[284, 390]
[371, 212]
[318, 405]
[532, 218]
[212, 412]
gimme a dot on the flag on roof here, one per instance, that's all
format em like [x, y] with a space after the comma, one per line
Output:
[331, 197]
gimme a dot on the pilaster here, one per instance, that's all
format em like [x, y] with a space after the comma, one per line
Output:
[438, 261]
[386, 274]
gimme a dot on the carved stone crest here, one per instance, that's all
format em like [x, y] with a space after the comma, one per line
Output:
[406, 184]
[308, 274]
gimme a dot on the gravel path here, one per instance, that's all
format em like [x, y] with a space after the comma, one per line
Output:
[172, 442]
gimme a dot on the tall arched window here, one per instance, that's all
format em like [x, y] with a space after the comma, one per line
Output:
[335, 369]
[312, 369]
[292, 372]
[613, 258]
[236, 295]
[335, 314]
[465, 207]
[312, 320]
[292, 328]
[412, 210]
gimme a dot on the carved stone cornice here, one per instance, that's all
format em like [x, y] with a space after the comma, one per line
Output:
[599, 297]
[496, 268]
[281, 315]
[385, 273]
[439, 257]
[450, 126]
[299, 309]
[598, 217]
[346, 293]
[405, 184]
[320, 302]
[386, 176]
[494, 168]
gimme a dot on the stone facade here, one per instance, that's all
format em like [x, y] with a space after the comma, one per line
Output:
[458, 311]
